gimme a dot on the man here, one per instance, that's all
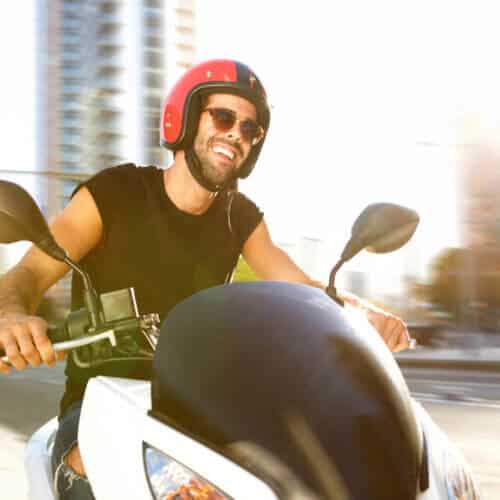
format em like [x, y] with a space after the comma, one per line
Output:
[168, 233]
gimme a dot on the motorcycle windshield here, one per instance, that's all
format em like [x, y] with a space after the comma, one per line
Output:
[245, 362]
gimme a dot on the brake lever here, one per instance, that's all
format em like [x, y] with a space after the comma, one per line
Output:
[73, 344]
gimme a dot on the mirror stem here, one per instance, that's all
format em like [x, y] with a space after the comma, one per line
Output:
[331, 290]
[89, 294]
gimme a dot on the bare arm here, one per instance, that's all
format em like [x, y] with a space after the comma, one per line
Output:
[271, 262]
[77, 229]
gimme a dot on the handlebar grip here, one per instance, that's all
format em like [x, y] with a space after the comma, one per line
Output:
[57, 333]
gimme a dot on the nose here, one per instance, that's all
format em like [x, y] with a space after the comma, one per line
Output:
[234, 133]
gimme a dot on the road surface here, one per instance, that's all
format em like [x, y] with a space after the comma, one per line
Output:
[466, 406]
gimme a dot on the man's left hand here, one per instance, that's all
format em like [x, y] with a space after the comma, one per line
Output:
[391, 328]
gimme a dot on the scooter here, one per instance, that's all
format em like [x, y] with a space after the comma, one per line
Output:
[260, 390]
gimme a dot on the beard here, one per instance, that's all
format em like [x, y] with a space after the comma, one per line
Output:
[213, 174]
[216, 175]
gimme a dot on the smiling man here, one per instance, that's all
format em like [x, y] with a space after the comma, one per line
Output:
[166, 232]
[221, 156]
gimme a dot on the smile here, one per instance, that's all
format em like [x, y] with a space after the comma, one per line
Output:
[224, 151]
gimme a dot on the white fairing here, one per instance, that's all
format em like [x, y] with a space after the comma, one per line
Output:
[37, 462]
[437, 443]
[444, 457]
[109, 436]
[115, 424]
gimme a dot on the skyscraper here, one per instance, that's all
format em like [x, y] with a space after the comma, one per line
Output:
[103, 69]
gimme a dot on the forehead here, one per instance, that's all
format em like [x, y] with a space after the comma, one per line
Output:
[239, 104]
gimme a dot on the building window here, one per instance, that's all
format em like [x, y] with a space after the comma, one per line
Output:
[153, 3]
[108, 29]
[152, 138]
[155, 22]
[70, 65]
[155, 42]
[72, 48]
[154, 80]
[109, 7]
[153, 59]
[153, 102]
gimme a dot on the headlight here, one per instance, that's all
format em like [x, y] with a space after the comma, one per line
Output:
[459, 481]
[171, 480]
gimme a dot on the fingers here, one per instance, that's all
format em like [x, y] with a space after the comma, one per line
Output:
[4, 368]
[392, 329]
[13, 353]
[42, 342]
[401, 339]
[25, 342]
[394, 333]
[28, 350]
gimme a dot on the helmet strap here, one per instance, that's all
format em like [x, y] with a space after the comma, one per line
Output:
[194, 165]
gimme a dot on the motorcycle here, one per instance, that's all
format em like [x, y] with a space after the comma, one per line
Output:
[260, 390]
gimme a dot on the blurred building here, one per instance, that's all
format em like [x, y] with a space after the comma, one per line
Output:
[481, 197]
[103, 72]
[480, 270]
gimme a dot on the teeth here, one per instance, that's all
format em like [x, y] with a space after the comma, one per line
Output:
[224, 151]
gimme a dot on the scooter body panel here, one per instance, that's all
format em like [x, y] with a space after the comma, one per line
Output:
[114, 429]
[37, 462]
[115, 426]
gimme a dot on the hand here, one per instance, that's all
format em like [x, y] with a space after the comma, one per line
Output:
[391, 328]
[25, 342]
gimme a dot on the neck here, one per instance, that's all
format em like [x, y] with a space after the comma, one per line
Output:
[183, 190]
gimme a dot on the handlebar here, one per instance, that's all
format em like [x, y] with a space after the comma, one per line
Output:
[58, 336]
[73, 333]
[57, 333]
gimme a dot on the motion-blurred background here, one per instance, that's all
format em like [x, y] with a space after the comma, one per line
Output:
[372, 101]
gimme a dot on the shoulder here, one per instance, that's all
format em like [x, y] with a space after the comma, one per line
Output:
[240, 202]
[118, 179]
[243, 215]
[118, 191]
[122, 173]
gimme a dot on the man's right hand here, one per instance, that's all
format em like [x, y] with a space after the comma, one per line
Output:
[77, 229]
[25, 342]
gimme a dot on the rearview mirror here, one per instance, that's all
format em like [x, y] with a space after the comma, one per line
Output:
[380, 228]
[21, 219]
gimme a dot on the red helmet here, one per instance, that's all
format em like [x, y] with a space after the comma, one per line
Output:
[181, 110]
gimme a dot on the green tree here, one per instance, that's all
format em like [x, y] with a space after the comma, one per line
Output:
[446, 288]
[243, 272]
[466, 284]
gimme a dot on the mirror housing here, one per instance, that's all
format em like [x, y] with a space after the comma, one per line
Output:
[21, 219]
[380, 228]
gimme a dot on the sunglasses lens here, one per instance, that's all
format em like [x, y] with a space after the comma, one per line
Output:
[224, 120]
[250, 131]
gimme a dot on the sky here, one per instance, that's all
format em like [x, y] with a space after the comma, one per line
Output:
[17, 100]
[368, 101]
[17, 83]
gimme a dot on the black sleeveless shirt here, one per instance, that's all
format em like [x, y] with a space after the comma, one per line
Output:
[151, 245]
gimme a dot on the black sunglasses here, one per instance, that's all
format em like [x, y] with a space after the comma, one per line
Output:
[224, 120]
